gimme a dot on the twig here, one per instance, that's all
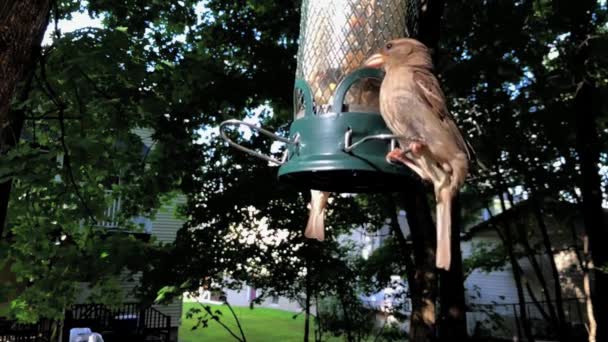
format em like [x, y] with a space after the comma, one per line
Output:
[215, 318]
[238, 322]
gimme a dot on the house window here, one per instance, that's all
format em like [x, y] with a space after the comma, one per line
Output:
[110, 218]
[110, 215]
[274, 299]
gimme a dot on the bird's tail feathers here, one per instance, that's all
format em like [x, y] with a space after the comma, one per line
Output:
[315, 228]
[444, 229]
[444, 197]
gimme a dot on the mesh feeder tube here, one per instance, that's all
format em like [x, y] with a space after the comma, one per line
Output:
[342, 139]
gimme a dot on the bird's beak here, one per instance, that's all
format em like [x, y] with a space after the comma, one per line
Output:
[375, 61]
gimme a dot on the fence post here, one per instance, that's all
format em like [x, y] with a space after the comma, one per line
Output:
[168, 325]
[517, 325]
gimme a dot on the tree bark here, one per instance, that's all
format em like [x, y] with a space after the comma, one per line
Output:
[416, 324]
[577, 17]
[593, 216]
[22, 27]
[585, 263]
[423, 287]
[452, 321]
[307, 302]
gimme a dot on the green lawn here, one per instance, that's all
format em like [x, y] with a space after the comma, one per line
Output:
[259, 325]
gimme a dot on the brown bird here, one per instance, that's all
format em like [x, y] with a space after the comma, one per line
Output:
[413, 106]
[315, 229]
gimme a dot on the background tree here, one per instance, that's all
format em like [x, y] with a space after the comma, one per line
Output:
[89, 93]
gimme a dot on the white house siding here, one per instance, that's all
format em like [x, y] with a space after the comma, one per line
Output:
[174, 309]
[485, 290]
[145, 134]
[488, 288]
[165, 225]
[499, 286]
[284, 304]
[244, 297]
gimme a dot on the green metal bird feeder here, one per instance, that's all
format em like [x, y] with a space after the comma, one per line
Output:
[338, 140]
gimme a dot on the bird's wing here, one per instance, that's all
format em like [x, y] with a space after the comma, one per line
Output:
[427, 88]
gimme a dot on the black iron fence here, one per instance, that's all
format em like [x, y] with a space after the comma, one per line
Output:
[130, 320]
[11, 331]
[504, 320]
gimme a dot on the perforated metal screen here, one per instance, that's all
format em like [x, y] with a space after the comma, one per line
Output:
[336, 36]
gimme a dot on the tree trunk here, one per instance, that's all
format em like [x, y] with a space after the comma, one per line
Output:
[22, 26]
[419, 329]
[593, 216]
[592, 325]
[553, 314]
[517, 276]
[564, 332]
[585, 263]
[517, 271]
[531, 254]
[307, 301]
[577, 17]
[452, 321]
[423, 287]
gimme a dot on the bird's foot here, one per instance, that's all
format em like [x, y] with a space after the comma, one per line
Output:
[399, 155]
[396, 155]
[416, 147]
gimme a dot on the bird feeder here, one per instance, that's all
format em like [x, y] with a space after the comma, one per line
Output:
[338, 140]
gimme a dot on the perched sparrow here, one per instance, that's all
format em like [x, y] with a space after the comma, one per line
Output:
[413, 106]
[315, 229]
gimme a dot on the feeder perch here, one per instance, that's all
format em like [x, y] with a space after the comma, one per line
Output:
[338, 140]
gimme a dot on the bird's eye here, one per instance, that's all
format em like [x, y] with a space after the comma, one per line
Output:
[389, 46]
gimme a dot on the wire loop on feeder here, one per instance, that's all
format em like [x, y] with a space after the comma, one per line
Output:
[349, 146]
[234, 122]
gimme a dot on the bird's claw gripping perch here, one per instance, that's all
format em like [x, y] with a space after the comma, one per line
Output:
[396, 155]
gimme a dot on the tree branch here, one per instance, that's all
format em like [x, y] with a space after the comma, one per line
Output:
[207, 309]
[67, 161]
[238, 322]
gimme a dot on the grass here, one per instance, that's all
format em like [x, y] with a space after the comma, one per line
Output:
[259, 325]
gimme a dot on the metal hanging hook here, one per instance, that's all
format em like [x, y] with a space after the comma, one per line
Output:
[234, 122]
[349, 146]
